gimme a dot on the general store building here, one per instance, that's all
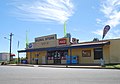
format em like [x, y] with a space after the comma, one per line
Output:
[51, 50]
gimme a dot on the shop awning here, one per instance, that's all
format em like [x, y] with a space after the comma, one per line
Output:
[90, 44]
[12, 55]
[81, 45]
[46, 49]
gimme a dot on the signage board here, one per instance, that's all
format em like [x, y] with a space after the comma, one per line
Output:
[62, 41]
[45, 44]
[46, 38]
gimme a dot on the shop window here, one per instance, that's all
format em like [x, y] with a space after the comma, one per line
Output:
[57, 55]
[98, 53]
[50, 55]
[64, 54]
[86, 53]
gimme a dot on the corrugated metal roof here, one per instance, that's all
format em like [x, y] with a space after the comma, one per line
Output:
[90, 43]
[80, 45]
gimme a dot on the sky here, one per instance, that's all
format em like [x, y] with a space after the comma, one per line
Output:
[85, 20]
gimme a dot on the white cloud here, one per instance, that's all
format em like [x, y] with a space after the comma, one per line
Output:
[44, 10]
[110, 35]
[98, 32]
[114, 34]
[98, 20]
[111, 11]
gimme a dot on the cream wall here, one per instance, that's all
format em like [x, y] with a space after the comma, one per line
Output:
[115, 51]
[106, 54]
[78, 52]
[45, 44]
[28, 57]
[42, 54]
[90, 59]
[32, 55]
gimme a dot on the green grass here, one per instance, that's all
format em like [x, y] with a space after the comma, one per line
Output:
[13, 62]
[113, 66]
[117, 66]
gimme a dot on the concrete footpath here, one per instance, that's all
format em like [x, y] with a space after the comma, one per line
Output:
[71, 66]
[59, 66]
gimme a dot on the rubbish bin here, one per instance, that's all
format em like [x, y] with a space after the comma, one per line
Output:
[24, 61]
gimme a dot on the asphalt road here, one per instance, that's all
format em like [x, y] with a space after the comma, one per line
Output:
[47, 75]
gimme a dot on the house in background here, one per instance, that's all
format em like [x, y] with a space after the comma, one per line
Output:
[4, 56]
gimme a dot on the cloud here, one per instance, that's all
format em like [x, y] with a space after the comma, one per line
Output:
[98, 32]
[98, 21]
[110, 35]
[43, 10]
[114, 34]
[111, 11]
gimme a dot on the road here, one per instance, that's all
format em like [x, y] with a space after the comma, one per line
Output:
[47, 75]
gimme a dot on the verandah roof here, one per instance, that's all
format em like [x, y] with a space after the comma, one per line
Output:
[81, 45]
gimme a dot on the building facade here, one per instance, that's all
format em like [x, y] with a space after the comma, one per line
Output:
[4, 57]
[50, 50]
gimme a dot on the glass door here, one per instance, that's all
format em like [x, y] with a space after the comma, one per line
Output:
[57, 58]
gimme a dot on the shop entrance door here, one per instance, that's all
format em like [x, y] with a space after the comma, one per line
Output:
[57, 58]
[57, 61]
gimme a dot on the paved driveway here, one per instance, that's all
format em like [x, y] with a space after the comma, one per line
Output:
[47, 75]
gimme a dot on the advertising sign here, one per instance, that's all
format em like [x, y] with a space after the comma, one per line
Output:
[46, 38]
[106, 29]
[30, 45]
[62, 41]
[45, 44]
[44, 41]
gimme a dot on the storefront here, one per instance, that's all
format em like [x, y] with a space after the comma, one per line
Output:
[57, 56]
[62, 51]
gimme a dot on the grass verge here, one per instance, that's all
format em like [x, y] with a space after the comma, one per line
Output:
[113, 66]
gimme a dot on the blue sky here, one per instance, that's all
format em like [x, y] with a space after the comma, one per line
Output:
[85, 20]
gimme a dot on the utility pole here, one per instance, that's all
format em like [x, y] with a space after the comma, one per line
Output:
[10, 44]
